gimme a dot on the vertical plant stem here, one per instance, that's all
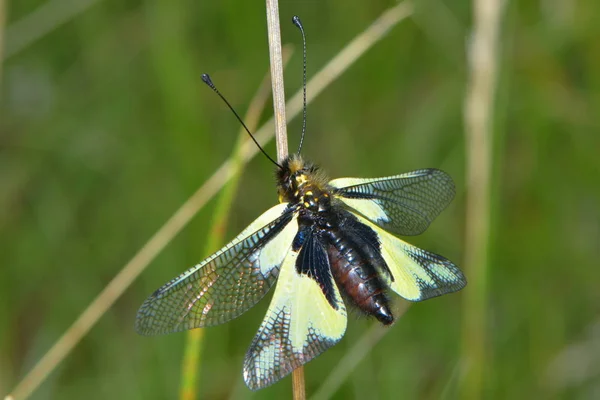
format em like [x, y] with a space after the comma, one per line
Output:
[193, 348]
[192, 354]
[276, 63]
[298, 384]
[479, 108]
[274, 34]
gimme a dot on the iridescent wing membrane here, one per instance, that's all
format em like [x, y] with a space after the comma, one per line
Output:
[227, 283]
[404, 204]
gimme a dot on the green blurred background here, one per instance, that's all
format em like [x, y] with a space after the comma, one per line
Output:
[106, 129]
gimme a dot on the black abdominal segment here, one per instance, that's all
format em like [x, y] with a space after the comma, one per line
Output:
[334, 245]
[354, 255]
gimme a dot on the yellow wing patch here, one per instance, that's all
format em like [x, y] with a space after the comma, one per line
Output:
[299, 325]
[367, 207]
[417, 274]
[268, 257]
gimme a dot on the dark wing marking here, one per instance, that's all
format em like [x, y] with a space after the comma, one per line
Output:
[227, 283]
[403, 204]
[411, 272]
[313, 262]
[301, 323]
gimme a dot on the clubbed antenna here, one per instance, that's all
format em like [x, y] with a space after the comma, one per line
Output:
[296, 21]
[206, 79]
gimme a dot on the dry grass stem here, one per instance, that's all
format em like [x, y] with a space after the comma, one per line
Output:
[276, 63]
[338, 65]
[298, 384]
[479, 106]
[183, 215]
[274, 34]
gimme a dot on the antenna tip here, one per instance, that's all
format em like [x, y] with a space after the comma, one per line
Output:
[206, 79]
[296, 21]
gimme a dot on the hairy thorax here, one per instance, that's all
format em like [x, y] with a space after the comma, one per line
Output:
[303, 184]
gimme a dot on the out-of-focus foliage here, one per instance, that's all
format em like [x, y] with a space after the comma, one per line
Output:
[106, 129]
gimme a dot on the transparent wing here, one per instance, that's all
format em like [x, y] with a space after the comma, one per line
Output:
[306, 317]
[227, 283]
[411, 272]
[403, 204]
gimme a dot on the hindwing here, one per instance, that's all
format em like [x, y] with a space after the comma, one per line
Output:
[306, 317]
[413, 273]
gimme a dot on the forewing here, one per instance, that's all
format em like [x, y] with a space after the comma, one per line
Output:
[403, 204]
[306, 316]
[227, 283]
[413, 273]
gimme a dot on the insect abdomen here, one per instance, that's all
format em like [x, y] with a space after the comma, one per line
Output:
[355, 275]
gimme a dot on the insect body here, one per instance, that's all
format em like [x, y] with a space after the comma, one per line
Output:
[340, 239]
[326, 244]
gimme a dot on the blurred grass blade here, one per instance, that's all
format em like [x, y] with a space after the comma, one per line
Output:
[479, 112]
[40, 22]
[115, 288]
[2, 35]
[353, 357]
[193, 346]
